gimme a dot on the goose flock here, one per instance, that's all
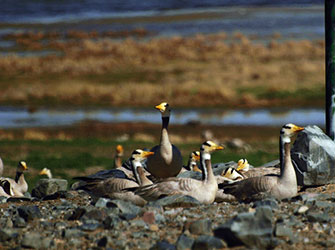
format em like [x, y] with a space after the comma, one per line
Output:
[151, 175]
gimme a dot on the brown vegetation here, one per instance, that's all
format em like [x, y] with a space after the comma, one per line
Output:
[205, 70]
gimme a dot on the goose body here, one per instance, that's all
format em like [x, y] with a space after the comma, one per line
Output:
[167, 160]
[203, 190]
[113, 187]
[279, 186]
[18, 186]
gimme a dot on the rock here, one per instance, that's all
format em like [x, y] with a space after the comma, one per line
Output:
[176, 201]
[36, 241]
[250, 229]
[102, 242]
[282, 230]
[271, 202]
[301, 210]
[90, 225]
[29, 212]
[313, 152]
[163, 245]
[205, 242]
[19, 222]
[7, 234]
[57, 195]
[184, 242]
[72, 233]
[94, 214]
[201, 227]
[46, 187]
[76, 214]
[128, 209]
[317, 217]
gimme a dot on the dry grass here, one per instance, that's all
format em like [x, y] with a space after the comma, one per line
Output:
[203, 70]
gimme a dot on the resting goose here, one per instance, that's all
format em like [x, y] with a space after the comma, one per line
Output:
[192, 162]
[47, 172]
[279, 186]
[113, 187]
[203, 190]
[19, 185]
[167, 160]
[5, 188]
[118, 156]
[243, 168]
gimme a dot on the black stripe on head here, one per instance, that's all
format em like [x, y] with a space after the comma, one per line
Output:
[287, 127]
[131, 158]
[225, 171]
[282, 132]
[135, 152]
[206, 143]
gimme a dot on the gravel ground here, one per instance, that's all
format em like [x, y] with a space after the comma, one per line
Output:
[71, 219]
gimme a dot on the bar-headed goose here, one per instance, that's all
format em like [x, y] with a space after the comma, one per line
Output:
[47, 172]
[113, 187]
[192, 162]
[279, 186]
[18, 185]
[203, 190]
[243, 168]
[5, 188]
[118, 156]
[167, 160]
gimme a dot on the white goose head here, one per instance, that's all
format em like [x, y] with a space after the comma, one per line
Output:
[140, 155]
[22, 166]
[164, 109]
[243, 165]
[288, 130]
[232, 174]
[209, 147]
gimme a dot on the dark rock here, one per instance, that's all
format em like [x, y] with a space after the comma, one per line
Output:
[176, 201]
[90, 225]
[94, 214]
[19, 222]
[102, 242]
[102, 202]
[201, 227]
[76, 214]
[125, 207]
[317, 217]
[271, 202]
[205, 242]
[18, 199]
[46, 187]
[7, 234]
[250, 229]
[72, 233]
[283, 230]
[313, 152]
[184, 242]
[111, 222]
[56, 195]
[163, 245]
[29, 213]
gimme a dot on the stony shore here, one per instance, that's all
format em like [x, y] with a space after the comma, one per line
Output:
[71, 219]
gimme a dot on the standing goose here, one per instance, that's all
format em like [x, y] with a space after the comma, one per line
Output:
[113, 187]
[167, 160]
[279, 186]
[203, 190]
[19, 185]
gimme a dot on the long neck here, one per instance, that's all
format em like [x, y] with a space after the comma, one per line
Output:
[204, 159]
[165, 135]
[19, 177]
[49, 175]
[117, 161]
[135, 165]
[287, 171]
[1, 167]
[282, 141]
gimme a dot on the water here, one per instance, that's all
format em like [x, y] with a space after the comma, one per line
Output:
[21, 118]
[299, 19]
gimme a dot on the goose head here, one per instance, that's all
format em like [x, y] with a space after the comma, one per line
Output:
[209, 147]
[119, 150]
[164, 109]
[140, 155]
[232, 174]
[22, 166]
[195, 156]
[288, 130]
[46, 171]
[243, 165]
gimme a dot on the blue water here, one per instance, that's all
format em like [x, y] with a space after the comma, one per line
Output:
[39, 10]
[302, 19]
[21, 117]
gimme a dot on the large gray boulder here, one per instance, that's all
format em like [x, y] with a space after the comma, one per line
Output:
[46, 187]
[314, 154]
